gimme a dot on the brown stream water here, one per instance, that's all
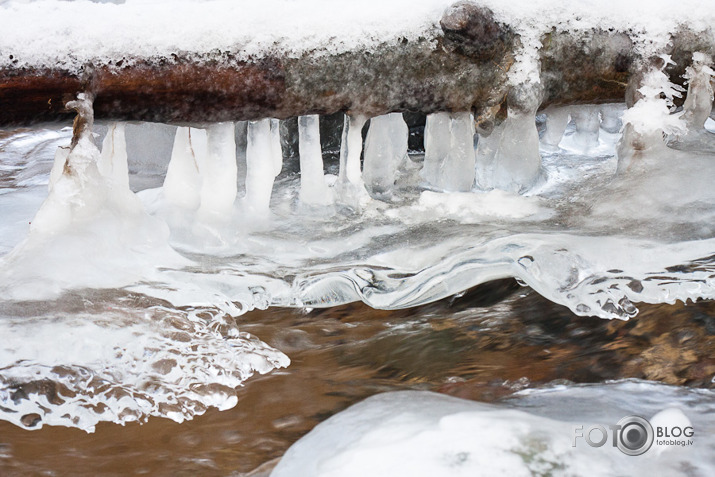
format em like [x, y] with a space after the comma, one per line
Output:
[492, 341]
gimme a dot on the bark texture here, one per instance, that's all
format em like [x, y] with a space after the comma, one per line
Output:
[463, 66]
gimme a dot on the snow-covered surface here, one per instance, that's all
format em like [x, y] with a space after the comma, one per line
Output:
[70, 34]
[418, 433]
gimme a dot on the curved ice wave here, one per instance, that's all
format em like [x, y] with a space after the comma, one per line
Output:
[120, 363]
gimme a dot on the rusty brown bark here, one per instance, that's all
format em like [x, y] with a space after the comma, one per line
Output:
[465, 66]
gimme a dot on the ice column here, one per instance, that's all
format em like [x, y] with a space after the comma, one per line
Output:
[611, 118]
[351, 148]
[587, 121]
[182, 184]
[512, 156]
[264, 161]
[112, 162]
[313, 189]
[385, 151]
[219, 187]
[699, 100]
[449, 151]
[556, 121]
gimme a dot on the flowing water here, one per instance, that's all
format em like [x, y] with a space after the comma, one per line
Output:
[123, 308]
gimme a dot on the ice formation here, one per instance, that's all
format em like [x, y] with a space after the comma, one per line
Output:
[449, 151]
[385, 152]
[557, 118]
[590, 217]
[313, 188]
[219, 186]
[420, 433]
[508, 157]
[183, 182]
[264, 161]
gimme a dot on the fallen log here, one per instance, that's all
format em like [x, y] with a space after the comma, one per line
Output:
[466, 61]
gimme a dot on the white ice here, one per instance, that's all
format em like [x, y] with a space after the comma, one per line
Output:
[264, 161]
[385, 152]
[508, 158]
[420, 433]
[313, 188]
[449, 162]
[219, 176]
[587, 121]
[557, 118]
[183, 182]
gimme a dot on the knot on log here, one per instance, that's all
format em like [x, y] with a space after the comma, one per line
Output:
[471, 30]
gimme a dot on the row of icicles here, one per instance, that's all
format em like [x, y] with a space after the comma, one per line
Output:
[202, 172]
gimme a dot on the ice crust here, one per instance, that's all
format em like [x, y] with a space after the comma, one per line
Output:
[420, 433]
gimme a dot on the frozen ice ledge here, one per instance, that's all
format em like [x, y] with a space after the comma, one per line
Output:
[532, 166]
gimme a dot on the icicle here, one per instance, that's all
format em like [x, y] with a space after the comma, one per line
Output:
[262, 164]
[276, 151]
[516, 159]
[219, 184]
[351, 148]
[313, 189]
[449, 151]
[437, 137]
[611, 118]
[489, 140]
[385, 151]
[587, 122]
[112, 162]
[182, 184]
[556, 121]
[59, 165]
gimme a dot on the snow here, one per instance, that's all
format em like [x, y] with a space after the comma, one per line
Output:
[420, 433]
[71, 34]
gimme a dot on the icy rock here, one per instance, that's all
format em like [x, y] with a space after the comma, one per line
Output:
[183, 181]
[313, 188]
[264, 161]
[385, 151]
[510, 160]
[556, 121]
[449, 151]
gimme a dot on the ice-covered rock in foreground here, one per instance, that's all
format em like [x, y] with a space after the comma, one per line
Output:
[419, 433]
